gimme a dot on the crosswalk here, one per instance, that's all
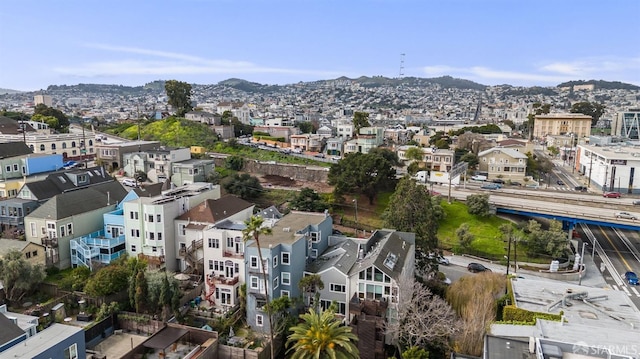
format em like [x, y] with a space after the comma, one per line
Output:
[631, 291]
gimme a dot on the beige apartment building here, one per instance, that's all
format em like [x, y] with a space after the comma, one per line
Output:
[562, 124]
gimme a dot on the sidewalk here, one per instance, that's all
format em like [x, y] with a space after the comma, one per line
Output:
[592, 277]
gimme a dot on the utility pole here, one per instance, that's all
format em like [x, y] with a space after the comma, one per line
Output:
[355, 200]
[590, 168]
[509, 256]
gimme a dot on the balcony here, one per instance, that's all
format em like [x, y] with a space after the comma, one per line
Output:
[50, 242]
[233, 255]
[225, 280]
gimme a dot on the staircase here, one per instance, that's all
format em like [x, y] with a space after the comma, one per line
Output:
[190, 255]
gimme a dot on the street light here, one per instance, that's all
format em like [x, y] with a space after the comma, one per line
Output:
[355, 200]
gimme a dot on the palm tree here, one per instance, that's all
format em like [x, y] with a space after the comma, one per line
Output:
[252, 232]
[320, 335]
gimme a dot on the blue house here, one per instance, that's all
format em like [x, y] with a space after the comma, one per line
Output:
[57, 341]
[105, 245]
[296, 240]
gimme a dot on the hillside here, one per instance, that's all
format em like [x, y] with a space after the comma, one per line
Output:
[600, 84]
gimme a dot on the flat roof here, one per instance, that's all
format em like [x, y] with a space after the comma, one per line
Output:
[608, 317]
[42, 341]
[284, 231]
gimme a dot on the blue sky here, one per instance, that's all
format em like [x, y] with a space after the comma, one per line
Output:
[132, 42]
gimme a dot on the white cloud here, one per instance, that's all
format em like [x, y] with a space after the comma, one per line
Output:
[612, 69]
[154, 62]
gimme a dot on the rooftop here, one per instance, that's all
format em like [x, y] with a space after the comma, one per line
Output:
[39, 343]
[286, 230]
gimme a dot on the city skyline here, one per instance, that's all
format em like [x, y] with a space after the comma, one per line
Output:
[491, 42]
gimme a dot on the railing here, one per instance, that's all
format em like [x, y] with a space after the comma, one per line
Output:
[226, 281]
[232, 255]
[50, 242]
[156, 261]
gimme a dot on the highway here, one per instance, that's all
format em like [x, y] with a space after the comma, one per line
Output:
[616, 252]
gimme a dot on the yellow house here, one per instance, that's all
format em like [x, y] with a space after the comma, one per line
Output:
[562, 124]
[197, 150]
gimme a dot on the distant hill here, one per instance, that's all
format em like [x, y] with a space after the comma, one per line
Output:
[244, 85]
[120, 89]
[600, 84]
[444, 81]
[8, 91]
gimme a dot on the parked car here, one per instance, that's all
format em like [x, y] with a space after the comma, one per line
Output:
[70, 164]
[560, 183]
[498, 181]
[631, 278]
[626, 215]
[514, 183]
[319, 155]
[580, 188]
[611, 194]
[477, 267]
[439, 258]
[636, 202]
[129, 182]
[479, 178]
[491, 186]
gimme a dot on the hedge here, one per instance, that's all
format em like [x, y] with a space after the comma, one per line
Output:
[511, 313]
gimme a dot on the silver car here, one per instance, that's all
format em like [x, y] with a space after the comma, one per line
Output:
[626, 215]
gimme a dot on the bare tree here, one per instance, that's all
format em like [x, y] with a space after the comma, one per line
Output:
[423, 318]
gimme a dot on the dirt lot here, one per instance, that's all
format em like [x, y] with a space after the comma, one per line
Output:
[272, 181]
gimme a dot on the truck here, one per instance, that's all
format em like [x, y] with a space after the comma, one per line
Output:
[421, 176]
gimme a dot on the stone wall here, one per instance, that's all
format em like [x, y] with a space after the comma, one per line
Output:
[297, 172]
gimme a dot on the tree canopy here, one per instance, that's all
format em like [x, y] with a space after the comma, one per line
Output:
[18, 276]
[593, 109]
[179, 96]
[412, 209]
[308, 200]
[360, 120]
[63, 121]
[243, 185]
[367, 174]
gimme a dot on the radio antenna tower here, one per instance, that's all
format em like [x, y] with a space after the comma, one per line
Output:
[401, 66]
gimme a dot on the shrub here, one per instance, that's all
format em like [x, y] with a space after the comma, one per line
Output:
[511, 313]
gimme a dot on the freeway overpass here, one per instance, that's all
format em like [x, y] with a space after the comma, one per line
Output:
[590, 209]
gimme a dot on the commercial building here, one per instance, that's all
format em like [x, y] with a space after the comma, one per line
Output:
[612, 167]
[627, 124]
[562, 124]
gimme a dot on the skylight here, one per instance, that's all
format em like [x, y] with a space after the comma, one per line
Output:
[391, 260]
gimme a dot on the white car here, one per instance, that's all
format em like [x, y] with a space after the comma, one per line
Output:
[129, 182]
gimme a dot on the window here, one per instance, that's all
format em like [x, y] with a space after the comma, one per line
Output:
[286, 278]
[135, 233]
[133, 215]
[150, 218]
[276, 282]
[275, 261]
[214, 243]
[259, 320]
[285, 258]
[210, 264]
[253, 262]
[70, 228]
[315, 238]
[62, 231]
[338, 288]
[236, 266]
[159, 236]
[8, 169]
[183, 229]
[41, 147]
[32, 227]
[158, 217]
[15, 167]
[255, 282]
[154, 249]
[71, 352]
[151, 235]
[133, 247]
[229, 242]
[284, 293]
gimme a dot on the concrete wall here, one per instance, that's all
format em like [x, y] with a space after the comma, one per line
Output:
[297, 172]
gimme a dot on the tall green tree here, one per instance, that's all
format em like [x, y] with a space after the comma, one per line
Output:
[367, 174]
[312, 285]
[415, 154]
[141, 288]
[478, 204]
[252, 232]
[321, 335]
[308, 200]
[243, 185]
[593, 109]
[179, 96]
[63, 120]
[360, 120]
[108, 280]
[464, 235]
[18, 276]
[412, 209]
[306, 127]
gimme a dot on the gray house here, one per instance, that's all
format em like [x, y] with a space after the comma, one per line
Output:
[191, 171]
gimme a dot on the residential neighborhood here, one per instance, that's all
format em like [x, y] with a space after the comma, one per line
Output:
[208, 269]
